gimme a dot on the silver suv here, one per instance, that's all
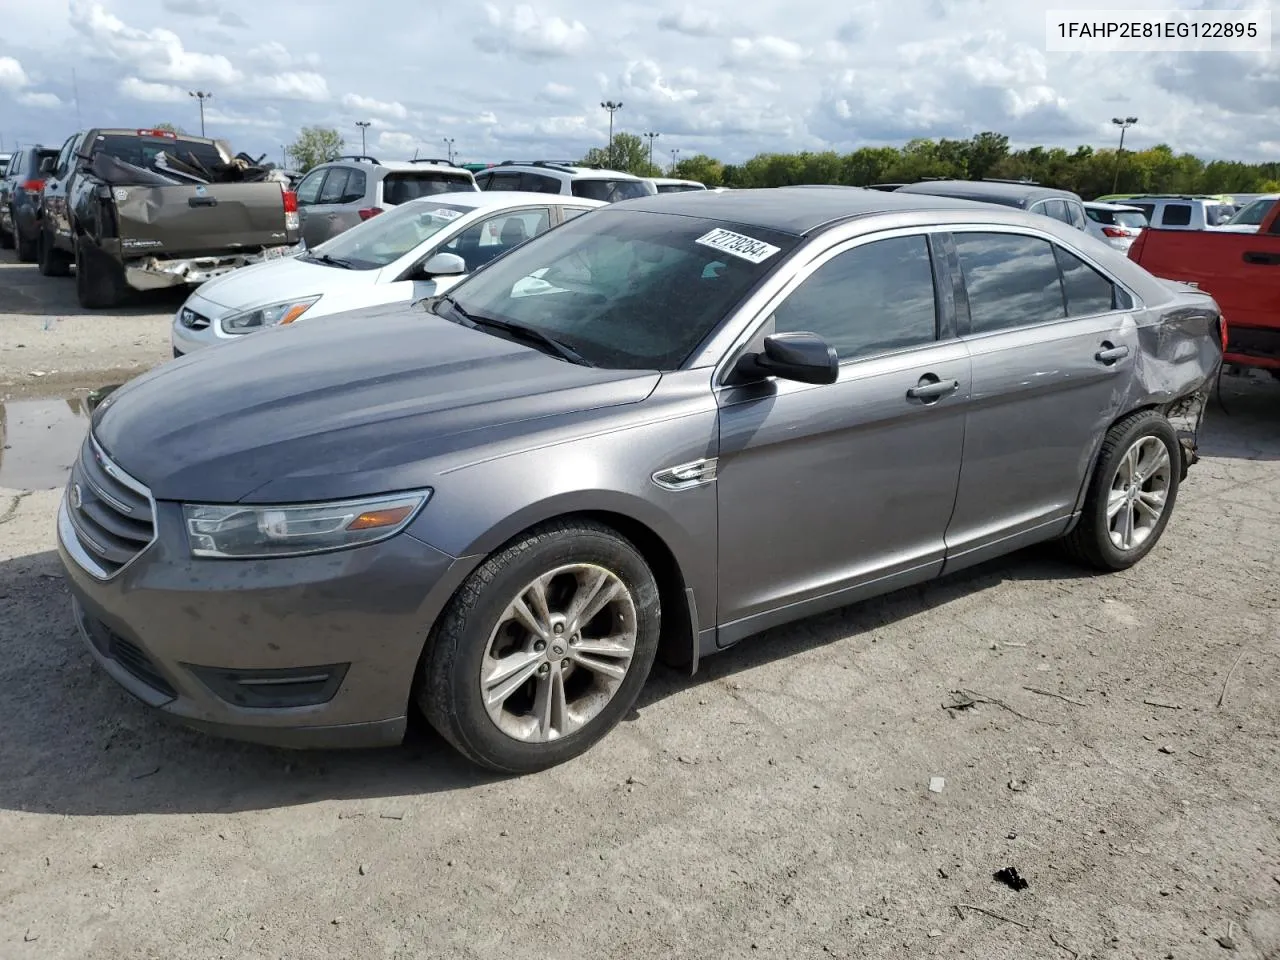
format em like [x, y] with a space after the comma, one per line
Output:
[575, 179]
[335, 196]
[1181, 211]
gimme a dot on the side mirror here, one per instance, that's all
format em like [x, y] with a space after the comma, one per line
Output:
[804, 357]
[443, 265]
[47, 165]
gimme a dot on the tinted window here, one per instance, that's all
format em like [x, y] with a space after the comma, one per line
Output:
[1176, 215]
[626, 289]
[1076, 213]
[609, 191]
[309, 188]
[1088, 291]
[873, 298]
[354, 190]
[1054, 208]
[335, 185]
[539, 183]
[482, 180]
[1011, 280]
[504, 181]
[1148, 210]
[143, 151]
[677, 187]
[400, 187]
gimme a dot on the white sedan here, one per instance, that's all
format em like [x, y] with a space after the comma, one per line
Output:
[416, 250]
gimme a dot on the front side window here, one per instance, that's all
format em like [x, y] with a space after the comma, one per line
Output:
[871, 299]
[610, 191]
[484, 241]
[1011, 280]
[1218, 213]
[626, 289]
[386, 238]
[1176, 215]
[309, 188]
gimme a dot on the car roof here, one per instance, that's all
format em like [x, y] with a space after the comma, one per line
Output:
[506, 198]
[1113, 207]
[991, 191]
[572, 169]
[674, 180]
[797, 210]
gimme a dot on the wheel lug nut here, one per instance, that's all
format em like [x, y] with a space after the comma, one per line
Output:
[545, 668]
[558, 628]
[539, 646]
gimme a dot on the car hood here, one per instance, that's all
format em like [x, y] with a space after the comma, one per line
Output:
[332, 409]
[262, 283]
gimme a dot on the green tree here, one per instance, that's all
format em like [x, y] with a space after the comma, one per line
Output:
[171, 128]
[315, 145]
[706, 170]
[630, 155]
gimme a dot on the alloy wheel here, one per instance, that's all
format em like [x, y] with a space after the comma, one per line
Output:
[1139, 493]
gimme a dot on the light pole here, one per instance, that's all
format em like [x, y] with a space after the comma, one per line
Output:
[675, 152]
[363, 125]
[284, 158]
[1124, 125]
[448, 146]
[202, 96]
[612, 108]
[651, 137]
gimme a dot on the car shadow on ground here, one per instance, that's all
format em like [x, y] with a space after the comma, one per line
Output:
[76, 744]
[24, 291]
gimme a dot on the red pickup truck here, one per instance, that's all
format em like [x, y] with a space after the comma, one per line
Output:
[1240, 270]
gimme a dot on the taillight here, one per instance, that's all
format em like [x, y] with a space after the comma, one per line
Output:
[1115, 232]
[368, 212]
[290, 202]
[33, 187]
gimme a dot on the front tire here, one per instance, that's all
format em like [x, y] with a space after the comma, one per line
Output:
[99, 281]
[543, 649]
[52, 262]
[1131, 494]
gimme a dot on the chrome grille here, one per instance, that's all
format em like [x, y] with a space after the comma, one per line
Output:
[192, 320]
[112, 515]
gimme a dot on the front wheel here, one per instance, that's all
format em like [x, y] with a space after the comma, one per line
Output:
[1131, 494]
[543, 649]
[52, 262]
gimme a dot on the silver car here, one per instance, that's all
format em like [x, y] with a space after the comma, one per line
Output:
[654, 430]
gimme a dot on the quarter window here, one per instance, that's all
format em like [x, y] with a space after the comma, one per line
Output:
[1076, 213]
[1088, 292]
[867, 300]
[1011, 280]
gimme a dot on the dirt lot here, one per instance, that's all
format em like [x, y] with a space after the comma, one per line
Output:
[1123, 755]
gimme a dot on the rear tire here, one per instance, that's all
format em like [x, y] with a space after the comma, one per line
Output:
[1131, 494]
[6, 238]
[99, 280]
[516, 699]
[53, 263]
[28, 249]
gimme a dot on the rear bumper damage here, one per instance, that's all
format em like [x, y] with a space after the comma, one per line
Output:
[156, 273]
[1186, 415]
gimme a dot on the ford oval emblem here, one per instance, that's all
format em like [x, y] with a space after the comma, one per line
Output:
[77, 498]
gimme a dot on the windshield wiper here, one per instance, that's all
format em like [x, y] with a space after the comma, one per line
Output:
[530, 335]
[332, 261]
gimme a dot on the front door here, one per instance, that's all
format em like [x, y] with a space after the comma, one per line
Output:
[308, 193]
[827, 493]
[1053, 343]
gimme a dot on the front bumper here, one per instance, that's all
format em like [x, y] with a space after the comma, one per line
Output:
[317, 651]
[158, 273]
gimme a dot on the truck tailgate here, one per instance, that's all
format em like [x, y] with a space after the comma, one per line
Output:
[200, 219]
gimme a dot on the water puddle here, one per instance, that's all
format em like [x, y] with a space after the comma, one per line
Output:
[39, 439]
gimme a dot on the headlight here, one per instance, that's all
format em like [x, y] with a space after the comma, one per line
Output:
[281, 531]
[271, 315]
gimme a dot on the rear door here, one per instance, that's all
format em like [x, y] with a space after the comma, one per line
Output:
[1052, 342]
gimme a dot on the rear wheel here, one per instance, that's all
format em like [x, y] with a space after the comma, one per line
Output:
[27, 247]
[543, 649]
[1131, 494]
[99, 279]
[6, 236]
[53, 262]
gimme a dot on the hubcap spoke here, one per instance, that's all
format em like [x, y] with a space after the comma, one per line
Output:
[505, 676]
[591, 598]
[1126, 526]
[616, 671]
[550, 707]
[1117, 501]
[1139, 492]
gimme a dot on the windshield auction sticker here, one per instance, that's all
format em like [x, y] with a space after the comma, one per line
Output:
[738, 245]
[444, 213]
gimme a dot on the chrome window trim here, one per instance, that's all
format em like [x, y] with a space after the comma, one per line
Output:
[66, 529]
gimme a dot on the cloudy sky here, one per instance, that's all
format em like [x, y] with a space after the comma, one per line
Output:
[525, 79]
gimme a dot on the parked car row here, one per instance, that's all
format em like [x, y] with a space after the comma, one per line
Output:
[643, 431]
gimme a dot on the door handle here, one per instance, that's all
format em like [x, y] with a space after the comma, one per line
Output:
[1262, 258]
[931, 388]
[1110, 353]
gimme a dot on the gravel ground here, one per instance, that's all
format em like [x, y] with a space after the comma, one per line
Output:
[1122, 755]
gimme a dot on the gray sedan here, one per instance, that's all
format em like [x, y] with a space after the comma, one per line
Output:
[652, 431]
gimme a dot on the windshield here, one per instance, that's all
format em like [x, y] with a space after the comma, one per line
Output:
[610, 191]
[1254, 213]
[142, 151]
[386, 238]
[677, 187]
[626, 290]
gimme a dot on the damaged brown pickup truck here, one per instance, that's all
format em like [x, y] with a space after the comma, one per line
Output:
[146, 209]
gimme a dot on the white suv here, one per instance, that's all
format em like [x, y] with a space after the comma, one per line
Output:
[1181, 211]
[573, 179]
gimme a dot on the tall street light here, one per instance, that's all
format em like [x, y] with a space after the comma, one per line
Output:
[448, 146]
[675, 152]
[202, 96]
[612, 108]
[363, 125]
[1124, 125]
[651, 137]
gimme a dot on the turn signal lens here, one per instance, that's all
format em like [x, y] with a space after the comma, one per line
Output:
[374, 519]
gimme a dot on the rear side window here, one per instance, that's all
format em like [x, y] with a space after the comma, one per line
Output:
[335, 185]
[867, 300]
[1176, 215]
[1012, 280]
[539, 183]
[1098, 216]
[504, 181]
[401, 187]
[1148, 211]
[610, 191]
[1087, 291]
[1056, 209]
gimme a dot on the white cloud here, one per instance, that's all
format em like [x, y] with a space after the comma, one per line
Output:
[136, 89]
[294, 85]
[528, 34]
[361, 104]
[396, 142]
[157, 54]
[558, 93]
[43, 101]
[765, 51]
[691, 21]
[274, 56]
[12, 76]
